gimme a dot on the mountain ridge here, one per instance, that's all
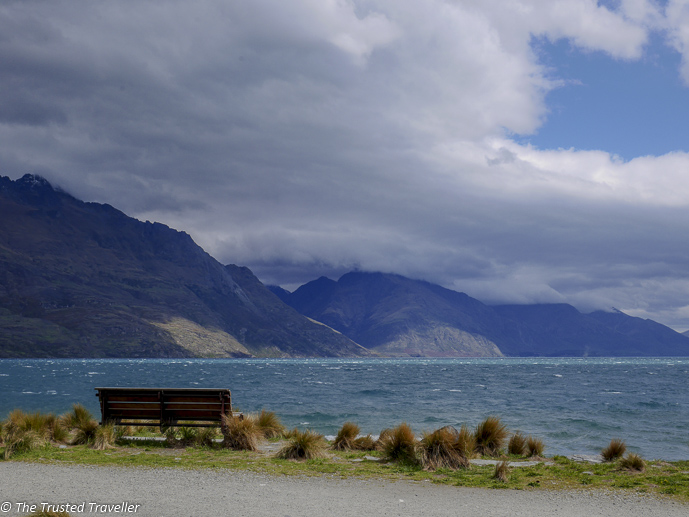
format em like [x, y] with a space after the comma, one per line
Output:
[441, 322]
[85, 280]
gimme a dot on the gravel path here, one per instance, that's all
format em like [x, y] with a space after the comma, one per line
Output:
[182, 493]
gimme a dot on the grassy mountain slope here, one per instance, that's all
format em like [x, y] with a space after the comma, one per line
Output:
[85, 280]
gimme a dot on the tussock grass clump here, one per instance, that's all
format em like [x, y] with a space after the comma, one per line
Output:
[614, 451]
[382, 437]
[490, 436]
[303, 445]
[42, 513]
[517, 444]
[104, 437]
[269, 424]
[26, 431]
[205, 436]
[85, 434]
[290, 434]
[535, 447]
[502, 471]
[465, 443]
[78, 416]
[438, 450]
[82, 423]
[399, 444]
[21, 440]
[187, 436]
[633, 463]
[365, 443]
[240, 434]
[346, 437]
[122, 431]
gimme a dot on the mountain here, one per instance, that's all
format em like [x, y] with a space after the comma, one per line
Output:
[561, 330]
[393, 315]
[85, 280]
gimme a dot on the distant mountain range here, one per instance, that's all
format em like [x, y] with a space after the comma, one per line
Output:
[84, 280]
[393, 315]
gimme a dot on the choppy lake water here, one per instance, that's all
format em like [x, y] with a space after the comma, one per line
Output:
[575, 405]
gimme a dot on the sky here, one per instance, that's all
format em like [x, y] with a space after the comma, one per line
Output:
[521, 151]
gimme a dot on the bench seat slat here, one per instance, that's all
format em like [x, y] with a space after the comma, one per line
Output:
[147, 406]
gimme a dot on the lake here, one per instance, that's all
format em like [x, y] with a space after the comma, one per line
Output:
[576, 405]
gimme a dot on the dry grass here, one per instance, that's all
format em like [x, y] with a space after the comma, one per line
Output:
[240, 434]
[365, 443]
[25, 431]
[437, 450]
[535, 447]
[188, 436]
[465, 444]
[382, 438]
[490, 436]
[104, 437]
[502, 471]
[205, 436]
[614, 451]
[633, 463]
[346, 437]
[399, 444]
[77, 417]
[303, 445]
[42, 513]
[82, 423]
[270, 424]
[517, 444]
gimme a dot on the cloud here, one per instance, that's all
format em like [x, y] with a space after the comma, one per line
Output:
[677, 25]
[311, 137]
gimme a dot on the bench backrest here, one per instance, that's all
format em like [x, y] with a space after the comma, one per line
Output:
[164, 406]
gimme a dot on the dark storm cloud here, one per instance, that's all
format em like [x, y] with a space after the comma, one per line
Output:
[309, 138]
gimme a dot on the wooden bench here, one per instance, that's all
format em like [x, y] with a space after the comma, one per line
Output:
[165, 407]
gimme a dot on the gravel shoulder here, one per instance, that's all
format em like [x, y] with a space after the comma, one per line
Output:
[177, 492]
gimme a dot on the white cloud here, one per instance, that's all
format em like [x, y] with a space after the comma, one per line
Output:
[677, 23]
[305, 137]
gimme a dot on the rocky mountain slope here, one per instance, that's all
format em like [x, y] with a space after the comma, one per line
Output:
[398, 316]
[85, 280]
